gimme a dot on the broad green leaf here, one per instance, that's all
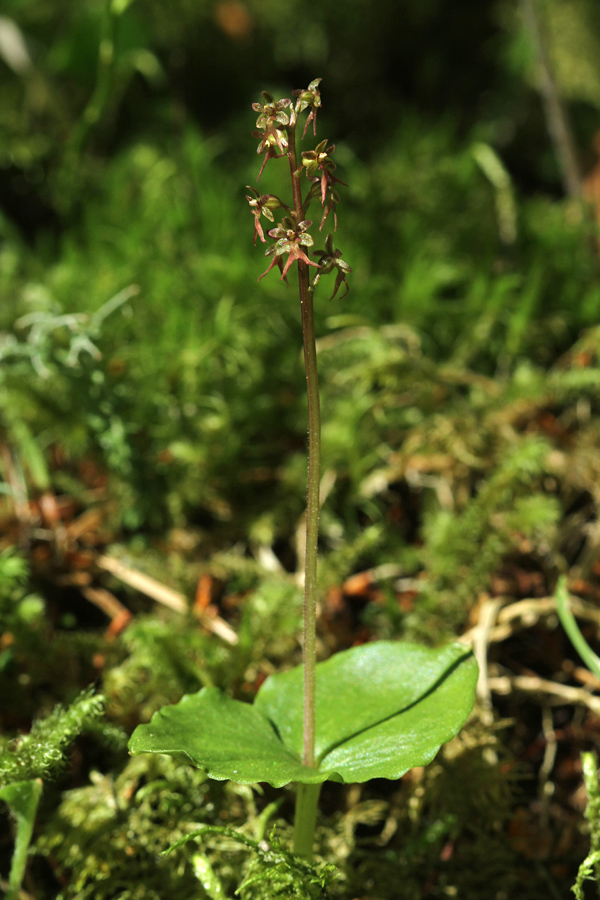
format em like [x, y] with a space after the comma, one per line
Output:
[381, 709]
[411, 738]
[356, 689]
[228, 739]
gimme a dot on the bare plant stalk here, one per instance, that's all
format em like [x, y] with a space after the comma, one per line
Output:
[312, 514]
[98, 102]
[314, 474]
[557, 120]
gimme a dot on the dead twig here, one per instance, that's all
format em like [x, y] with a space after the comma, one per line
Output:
[546, 786]
[118, 614]
[163, 594]
[481, 641]
[552, 690]
[497, 624]
[525, 614]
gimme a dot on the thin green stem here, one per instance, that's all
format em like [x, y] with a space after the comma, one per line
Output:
[314, 473]
[104, 79]
[312, 514]
[22, 798]
[307, 795]
[307, 800]
[568, 622]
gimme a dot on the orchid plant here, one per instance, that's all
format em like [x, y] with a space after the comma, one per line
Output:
[373, 711]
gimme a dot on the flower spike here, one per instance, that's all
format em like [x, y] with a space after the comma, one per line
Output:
[275, 131]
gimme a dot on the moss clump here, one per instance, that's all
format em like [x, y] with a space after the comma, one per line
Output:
[105, 840]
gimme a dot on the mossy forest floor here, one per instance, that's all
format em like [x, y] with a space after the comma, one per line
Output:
[459, 525]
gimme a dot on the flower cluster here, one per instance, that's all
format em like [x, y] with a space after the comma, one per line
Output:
[276, 134]
[272, 116]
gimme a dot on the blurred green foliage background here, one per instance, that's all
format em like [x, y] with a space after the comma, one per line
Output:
[125, 148]
[140, 354]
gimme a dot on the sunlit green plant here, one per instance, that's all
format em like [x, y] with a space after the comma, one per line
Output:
[572, 629]
[373, 711]
[590, 867]
[589, 870]
[27, 761]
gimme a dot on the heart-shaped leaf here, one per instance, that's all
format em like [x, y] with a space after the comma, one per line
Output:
[412, 737]
[356, 689]
[381, 709]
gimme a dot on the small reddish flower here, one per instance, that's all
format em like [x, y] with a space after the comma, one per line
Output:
[262, 204]
[271, 122]
[291, 237]
[269, 140]
[277, 260]
[272, 112]
[310, 97]
[330, 259]
[333, 198]
[319, 159]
